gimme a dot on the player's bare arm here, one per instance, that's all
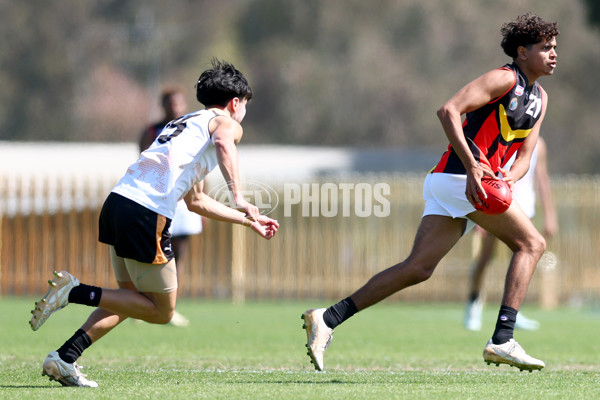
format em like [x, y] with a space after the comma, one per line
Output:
[226, 135]
[474, 95]
[199, 202]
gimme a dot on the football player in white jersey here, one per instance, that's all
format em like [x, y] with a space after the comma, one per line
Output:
[185, 223]
[135, 220]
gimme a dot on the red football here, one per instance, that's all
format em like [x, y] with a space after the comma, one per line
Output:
[499, 196]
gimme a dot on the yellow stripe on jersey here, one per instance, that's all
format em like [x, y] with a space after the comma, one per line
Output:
[508, 134]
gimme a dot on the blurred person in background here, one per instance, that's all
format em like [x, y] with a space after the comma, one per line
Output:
[136, 215]
[185, 222]
[536, 180]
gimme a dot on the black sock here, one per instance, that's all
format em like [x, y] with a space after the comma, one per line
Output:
[72, 349]
[340, 312]
[505, 325]
[86, 295]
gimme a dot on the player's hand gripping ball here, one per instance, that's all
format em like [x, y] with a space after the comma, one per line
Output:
[499, 196]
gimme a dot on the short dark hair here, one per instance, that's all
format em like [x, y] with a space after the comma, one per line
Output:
[527, 30]
[220, 84]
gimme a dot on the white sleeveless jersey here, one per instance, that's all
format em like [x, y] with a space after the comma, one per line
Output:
[524, 188]
[181, 156]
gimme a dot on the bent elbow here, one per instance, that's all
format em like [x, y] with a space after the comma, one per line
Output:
[195, 204]
[443, 112]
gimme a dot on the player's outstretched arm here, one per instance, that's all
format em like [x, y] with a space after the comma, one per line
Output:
[265, 226]
[225, 138]
[200, 203]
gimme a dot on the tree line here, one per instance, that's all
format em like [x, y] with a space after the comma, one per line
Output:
[336, 73]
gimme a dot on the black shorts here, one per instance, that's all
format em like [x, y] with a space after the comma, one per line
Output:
[135, 231]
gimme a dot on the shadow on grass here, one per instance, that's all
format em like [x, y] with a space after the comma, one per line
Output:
[298, 382]
[31, 387]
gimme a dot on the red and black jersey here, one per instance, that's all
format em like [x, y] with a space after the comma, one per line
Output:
[495, 131]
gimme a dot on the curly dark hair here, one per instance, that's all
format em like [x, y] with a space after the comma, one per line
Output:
[528, 29]
[221, 83]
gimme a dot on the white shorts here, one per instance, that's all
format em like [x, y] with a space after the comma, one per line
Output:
[444, 194]
[524, 195]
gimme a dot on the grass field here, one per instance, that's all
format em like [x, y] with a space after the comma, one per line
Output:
[256, 351]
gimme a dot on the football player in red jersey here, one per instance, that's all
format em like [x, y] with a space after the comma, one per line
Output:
[503, 110]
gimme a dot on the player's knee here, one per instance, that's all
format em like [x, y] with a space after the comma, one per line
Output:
[161, 317]
[425, 274]
[164, 318]
[422, 272]
[539, 245]
[536, 245]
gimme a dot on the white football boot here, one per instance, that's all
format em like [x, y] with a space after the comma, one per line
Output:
[318, 335]
[510, 353]
[473, 315]
[56, 298]
[64, 373]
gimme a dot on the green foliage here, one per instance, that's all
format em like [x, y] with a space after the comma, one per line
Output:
[257, 351]
[349, 73]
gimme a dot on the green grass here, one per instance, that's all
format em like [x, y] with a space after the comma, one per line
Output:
[256, 351]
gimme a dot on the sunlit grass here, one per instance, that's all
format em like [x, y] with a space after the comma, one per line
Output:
[256, 351]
